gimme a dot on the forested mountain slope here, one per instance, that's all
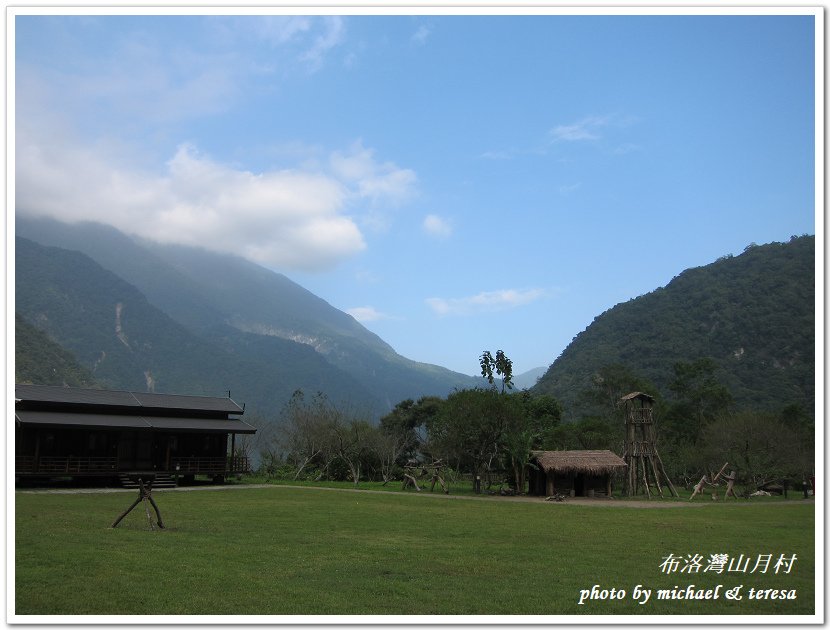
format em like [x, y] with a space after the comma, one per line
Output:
[754, 314]
[250, 311]
[40, 360]
[125, 342]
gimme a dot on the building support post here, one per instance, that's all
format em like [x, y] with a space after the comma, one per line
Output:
[233, 451]
[36, 466]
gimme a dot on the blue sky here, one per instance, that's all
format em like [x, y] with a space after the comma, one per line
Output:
[456, 182]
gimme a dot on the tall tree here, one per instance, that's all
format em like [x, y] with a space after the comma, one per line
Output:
[397, 437]
[529, 424]
[502, 366]
[467, 430]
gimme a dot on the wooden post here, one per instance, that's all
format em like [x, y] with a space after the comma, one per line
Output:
[149, 497]
[656, 477]
[663, 469]
[37, 451]
[125, 512]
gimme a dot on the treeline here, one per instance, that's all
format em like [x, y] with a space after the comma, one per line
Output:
[476, 431]
[492, 432]
[699, 426]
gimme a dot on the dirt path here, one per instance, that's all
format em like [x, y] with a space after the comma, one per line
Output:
[599, 503]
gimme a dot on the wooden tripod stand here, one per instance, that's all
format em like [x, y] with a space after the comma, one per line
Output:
[145, 495]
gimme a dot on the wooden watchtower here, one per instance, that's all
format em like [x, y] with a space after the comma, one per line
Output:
[640, 452]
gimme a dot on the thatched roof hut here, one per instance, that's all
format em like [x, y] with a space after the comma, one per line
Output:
[590, 462]
[578, 473]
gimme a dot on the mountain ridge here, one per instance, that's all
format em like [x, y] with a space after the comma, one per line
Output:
[211, 294]
[754, 314]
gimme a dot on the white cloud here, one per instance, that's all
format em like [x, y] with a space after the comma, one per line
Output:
[277, 29]
[306, 216]
[136, 76]
[303, 218]
[487, 301]
[157, 87]
[332, 35]
[366, 314]
[308, 39]
[586, 129]
[420, 36]
[377, 182]
[436, 226]
[286, 219]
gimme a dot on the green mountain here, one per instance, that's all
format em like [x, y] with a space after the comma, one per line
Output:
[125, 342]
[40, 360]
[754, 314]
[228, 304]
[528, 379]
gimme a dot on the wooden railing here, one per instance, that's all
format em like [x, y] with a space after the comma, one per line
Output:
[239, 464]
[67, 465]
[640, 416]
[198, 465]
[24, 464]
[209, 465]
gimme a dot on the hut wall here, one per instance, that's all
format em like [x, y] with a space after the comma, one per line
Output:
[563, 483]
[581, 484]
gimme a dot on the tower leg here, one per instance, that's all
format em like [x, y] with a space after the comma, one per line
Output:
[656, 476]
[645, 476]
[668, 480]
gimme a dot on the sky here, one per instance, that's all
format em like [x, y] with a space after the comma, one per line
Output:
[457, 183]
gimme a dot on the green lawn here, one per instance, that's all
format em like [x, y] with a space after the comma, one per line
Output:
[277, 551]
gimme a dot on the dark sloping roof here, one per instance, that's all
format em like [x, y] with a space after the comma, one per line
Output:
[201, 424]
[201, 403]
[100, 420]
[73, 395]
[105, 420]
[111, 398]
[594, 462]
[634, 395]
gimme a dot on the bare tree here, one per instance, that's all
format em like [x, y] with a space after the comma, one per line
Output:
[350, 440]
[389, 446]
[305, 430]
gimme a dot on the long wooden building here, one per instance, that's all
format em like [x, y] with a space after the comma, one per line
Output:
[72, 432]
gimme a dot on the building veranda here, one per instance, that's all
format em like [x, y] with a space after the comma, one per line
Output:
[84, 433]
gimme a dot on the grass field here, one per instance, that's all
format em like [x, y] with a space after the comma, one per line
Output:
[282, 551]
